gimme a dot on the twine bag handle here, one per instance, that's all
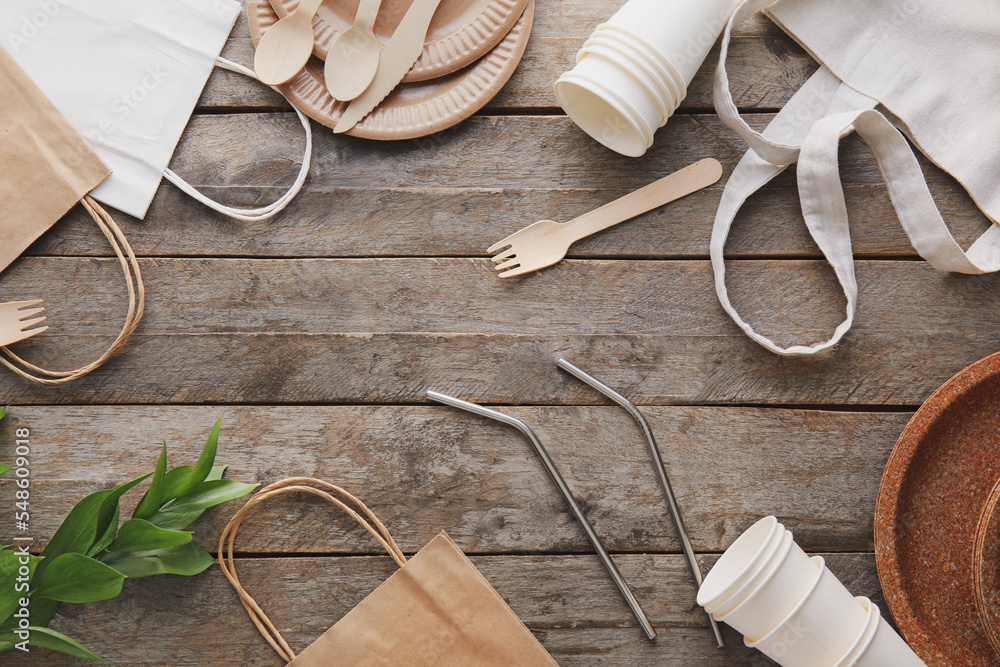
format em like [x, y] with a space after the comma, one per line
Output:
[136, 306]
[317, 487]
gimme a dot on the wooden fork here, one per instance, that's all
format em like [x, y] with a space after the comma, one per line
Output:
[546, 242]
[14, 323]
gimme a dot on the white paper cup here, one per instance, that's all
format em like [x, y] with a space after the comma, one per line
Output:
[820, 630]
[865, 638]
[886, 648]
[622, 93]
[779, 548]
[784, 586]
[682, 31]
[739, 563]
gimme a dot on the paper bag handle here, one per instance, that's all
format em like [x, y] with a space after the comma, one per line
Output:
[306, 485]
[136, 306]
[263, 212]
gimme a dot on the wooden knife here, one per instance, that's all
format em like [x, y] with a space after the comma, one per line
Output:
[402, 50]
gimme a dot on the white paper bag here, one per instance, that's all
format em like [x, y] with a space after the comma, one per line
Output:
[128, 74]
[934, 68]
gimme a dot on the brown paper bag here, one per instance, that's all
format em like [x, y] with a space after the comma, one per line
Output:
[436, 611]
[47, 168]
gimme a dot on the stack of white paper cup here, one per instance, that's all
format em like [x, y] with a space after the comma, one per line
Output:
[633, 72]
[793, 609]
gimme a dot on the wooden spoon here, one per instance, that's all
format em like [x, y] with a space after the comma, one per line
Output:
[285, 48]
[353, 58]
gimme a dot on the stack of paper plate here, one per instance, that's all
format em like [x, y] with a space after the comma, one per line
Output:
[472, 49]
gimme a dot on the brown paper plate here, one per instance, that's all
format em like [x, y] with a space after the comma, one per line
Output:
[936, 485]
[413, 109]
[986, 562]
[461, 32]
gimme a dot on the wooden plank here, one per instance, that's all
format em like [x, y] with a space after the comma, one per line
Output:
[303, 331]
[577, 613]
[378, 199]
[427, 469]
[766, 66]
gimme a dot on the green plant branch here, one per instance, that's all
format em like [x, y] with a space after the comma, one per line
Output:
[90, 555]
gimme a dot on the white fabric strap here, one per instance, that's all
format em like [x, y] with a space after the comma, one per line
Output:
[264, 212]
[821, 95]
[772, 149]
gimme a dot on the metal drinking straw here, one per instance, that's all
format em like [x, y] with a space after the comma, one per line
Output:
[661, 474]
[550, 466]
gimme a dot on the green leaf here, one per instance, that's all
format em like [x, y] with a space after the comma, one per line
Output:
[153, 499]
[56, 641]
[217, 473]
[180, 484]
[78, 530]
[4, 468]
[141, 535]
[175, 520]
[10, 563]
[86, 522]
[188, 560]
[3, 411]
[42, 610]
[109, 534]
[210, 494]
[77, 578]
[110, 510]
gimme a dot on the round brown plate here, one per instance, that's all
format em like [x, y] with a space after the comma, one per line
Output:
[986, 561]
[461, 32]
[412, 109]
[936, 485]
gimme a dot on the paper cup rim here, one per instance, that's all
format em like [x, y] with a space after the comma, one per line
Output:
[821, 562]
[714, 601]
[641, 63]
[630, 116]
[770, 570]
[861, 644]
[636, 71]
[650, 48]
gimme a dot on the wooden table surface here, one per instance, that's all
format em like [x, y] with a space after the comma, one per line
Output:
[315, 335]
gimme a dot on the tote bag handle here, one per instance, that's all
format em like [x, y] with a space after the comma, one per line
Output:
[808, 130]
[136, 306]
[264, 212]
[359, 512]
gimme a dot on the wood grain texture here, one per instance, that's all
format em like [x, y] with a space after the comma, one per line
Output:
[366, 199]
[766, 66]
[386, 330]
[427, 469]
[567, 601]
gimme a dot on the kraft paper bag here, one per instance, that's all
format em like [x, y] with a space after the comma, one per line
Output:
[437, 610]
[47, 168]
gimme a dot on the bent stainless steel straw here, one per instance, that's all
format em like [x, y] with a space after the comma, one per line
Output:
[661, 474]
[550, 466]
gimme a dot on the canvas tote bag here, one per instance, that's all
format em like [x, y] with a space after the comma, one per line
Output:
[890, 70]
[437, 610]
[128, 74]
[47, 168]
